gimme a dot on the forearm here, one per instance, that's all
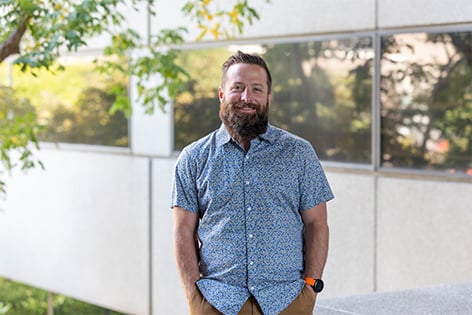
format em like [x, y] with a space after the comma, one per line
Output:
[187, 263]
[316, 249]
[185, 249]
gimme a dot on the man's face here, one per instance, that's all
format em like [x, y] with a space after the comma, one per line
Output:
[244, 100]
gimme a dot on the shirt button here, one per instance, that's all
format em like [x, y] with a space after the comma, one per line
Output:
[247, 182]
[251, 263]
[250, 235]
[249, 208]
[252, 288]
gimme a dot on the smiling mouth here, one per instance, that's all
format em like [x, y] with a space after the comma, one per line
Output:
[246, 108]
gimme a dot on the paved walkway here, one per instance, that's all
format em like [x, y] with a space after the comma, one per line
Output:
[447, 299]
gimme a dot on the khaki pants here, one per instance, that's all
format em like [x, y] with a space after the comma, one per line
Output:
[302, 305]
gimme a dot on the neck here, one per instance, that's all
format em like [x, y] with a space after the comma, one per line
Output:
[244, 142]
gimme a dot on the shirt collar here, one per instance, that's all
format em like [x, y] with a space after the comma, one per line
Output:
[223, 137]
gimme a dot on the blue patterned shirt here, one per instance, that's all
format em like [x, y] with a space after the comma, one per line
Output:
[250, 203]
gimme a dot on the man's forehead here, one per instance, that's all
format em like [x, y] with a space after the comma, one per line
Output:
[243, 72]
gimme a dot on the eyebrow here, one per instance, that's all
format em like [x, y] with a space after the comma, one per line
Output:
[250, 84]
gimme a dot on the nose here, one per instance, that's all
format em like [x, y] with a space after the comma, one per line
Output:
[246, 95]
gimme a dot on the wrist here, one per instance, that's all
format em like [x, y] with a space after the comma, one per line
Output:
[316, 284]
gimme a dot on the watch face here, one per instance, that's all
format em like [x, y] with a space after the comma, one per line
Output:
[318, 286]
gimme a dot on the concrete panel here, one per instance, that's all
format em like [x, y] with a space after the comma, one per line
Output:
[437, 300]
[168, 297]
[350, 266]
[284, 18]
[281, 17]
[136, 20]
[404, 13]
[424, 233]
[80, 228]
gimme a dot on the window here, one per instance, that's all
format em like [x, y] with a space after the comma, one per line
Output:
[73, 105]
[322, 91]
[196, 109]
[426, 101]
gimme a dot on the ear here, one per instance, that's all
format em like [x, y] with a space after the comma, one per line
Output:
[221, 94]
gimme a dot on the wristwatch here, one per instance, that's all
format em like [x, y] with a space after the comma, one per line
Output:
[316, 284]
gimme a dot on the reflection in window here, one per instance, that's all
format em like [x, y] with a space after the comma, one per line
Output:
[73, 105]
[426, 99]
[196, 109]
[321, 91]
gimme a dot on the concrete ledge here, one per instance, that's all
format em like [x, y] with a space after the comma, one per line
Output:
[454, 299]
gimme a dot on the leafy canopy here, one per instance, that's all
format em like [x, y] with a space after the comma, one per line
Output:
[36, 32]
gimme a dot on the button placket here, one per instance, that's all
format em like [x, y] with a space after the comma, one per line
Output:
[250, 237]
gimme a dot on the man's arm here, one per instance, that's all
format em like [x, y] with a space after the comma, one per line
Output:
[186, 248]
[316, 236]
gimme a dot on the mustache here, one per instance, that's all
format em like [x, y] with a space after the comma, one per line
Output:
[245, 105]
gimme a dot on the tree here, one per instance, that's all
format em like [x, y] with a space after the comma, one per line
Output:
[36, 32]
[426, 101]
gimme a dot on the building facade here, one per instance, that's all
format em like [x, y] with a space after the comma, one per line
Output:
[379, 87]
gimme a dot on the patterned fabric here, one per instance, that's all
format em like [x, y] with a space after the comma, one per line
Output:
[250, 204]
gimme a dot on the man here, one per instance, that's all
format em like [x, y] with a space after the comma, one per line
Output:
[249, 206]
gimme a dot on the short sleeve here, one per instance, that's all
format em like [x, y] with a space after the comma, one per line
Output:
[314, 186]
[184, 192]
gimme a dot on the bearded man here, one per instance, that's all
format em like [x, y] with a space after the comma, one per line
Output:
[249, 207]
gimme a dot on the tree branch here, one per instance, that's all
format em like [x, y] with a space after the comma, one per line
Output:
[12, 45]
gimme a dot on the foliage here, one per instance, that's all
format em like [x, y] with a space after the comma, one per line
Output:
[74, 104]
[427, 101]
[217, 21]
[45, 28]
[88, 123]
[199, 98]
[21, 299]
[18, 133]
[36, 32]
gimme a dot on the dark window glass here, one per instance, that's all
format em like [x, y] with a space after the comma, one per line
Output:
[426, 101]
[73, 104]
[196, 109]
[321, 91]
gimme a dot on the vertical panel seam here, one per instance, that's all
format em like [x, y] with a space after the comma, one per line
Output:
[150, 234]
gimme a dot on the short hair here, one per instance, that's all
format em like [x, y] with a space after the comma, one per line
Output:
[241, 57]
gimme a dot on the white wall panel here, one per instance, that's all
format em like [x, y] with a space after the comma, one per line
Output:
[137, 20]
[281, 17]
[350, 265]
[400, 13]
[80, 228]
[284, 18]
[424, 233]
[168, 295]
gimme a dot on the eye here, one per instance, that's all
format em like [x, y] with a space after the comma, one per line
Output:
[237, 87]
[258, 89]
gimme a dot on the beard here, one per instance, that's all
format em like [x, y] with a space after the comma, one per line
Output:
[242, 126]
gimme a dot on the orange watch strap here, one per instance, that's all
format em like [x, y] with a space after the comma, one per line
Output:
[310, 281]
